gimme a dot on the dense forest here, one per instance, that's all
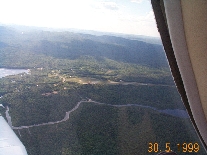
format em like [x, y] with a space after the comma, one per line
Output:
[109, 76]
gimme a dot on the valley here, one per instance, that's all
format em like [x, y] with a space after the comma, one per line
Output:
[88, 94]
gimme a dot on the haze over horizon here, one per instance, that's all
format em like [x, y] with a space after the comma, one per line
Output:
[124, 16]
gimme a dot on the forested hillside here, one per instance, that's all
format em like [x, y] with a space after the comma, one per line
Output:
[90, 94]
[68, 45]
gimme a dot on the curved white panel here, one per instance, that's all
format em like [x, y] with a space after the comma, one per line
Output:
[9, 142]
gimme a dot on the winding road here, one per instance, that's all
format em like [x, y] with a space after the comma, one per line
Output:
[175, 112]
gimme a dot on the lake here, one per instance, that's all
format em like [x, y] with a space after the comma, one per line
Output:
[6, 72]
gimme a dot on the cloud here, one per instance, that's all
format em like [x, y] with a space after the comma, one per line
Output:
[110, 5]
[150, 16]
[136, 1]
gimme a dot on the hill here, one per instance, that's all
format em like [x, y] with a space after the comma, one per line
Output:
[91, 94]
[73, 45]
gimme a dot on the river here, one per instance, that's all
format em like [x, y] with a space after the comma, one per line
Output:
[173, 112]
[8, 117]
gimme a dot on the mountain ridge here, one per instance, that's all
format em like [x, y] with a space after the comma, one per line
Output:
[72, 45]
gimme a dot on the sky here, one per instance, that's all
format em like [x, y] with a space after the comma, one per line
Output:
[119, 16]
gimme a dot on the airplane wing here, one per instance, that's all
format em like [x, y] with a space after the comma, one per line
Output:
[9, 142]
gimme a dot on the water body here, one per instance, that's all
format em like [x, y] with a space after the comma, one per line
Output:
[6, 72]
[175, 112]
[1, 105]
[8, 117]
